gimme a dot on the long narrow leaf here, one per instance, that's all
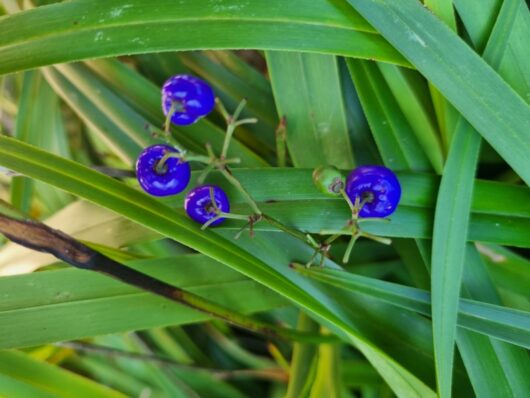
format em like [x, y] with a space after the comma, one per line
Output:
[451, 224]
[46, 307]
[502, 323]
[91, 29]
[483, 98]
[58, 381]
[27, 129]
[452, 217]
[122, 145]
[151, 213]
[308, 94]
[406, 86]
[393, 135]
[507, 362]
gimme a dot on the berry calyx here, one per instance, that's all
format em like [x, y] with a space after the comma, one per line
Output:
[377, 189]
[169, 179]
[187, 98]
[206, 202]
[328, 180]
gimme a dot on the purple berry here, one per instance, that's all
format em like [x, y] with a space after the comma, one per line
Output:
[377, 185]
[193, 97]
[170, 179]
[198, 204]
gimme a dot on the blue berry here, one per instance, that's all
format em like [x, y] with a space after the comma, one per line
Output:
[377, 185]
[170, 179]
[193, 97]
[198, 204]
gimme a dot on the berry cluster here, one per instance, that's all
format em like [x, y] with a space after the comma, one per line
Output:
[375, 189]
[372, 192]
[162, 169]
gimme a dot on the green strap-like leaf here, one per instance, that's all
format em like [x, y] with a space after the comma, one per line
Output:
[501, 212]
[122, 145]
[444, 10]
[395, 139]
[37, 306]
[505, 365]
[499, 322]
[478, 18]
[59, 382]
[451, 225]
[92, 29]
[411, 93]
[453, 214]
[30, 115]
[308, 94]
[141, 208]
[15, 388]
[477, 92]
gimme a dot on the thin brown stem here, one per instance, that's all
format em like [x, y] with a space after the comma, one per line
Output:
[38, 236]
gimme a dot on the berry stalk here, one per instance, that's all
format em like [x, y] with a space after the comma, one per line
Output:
[306, 238]
[225, 171]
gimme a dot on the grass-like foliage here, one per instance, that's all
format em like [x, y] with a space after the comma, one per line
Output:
[303, 289]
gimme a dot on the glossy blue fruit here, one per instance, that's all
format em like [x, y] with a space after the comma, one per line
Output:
[378, 185]
[194, 98]
[198, 203]
[171, 180]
